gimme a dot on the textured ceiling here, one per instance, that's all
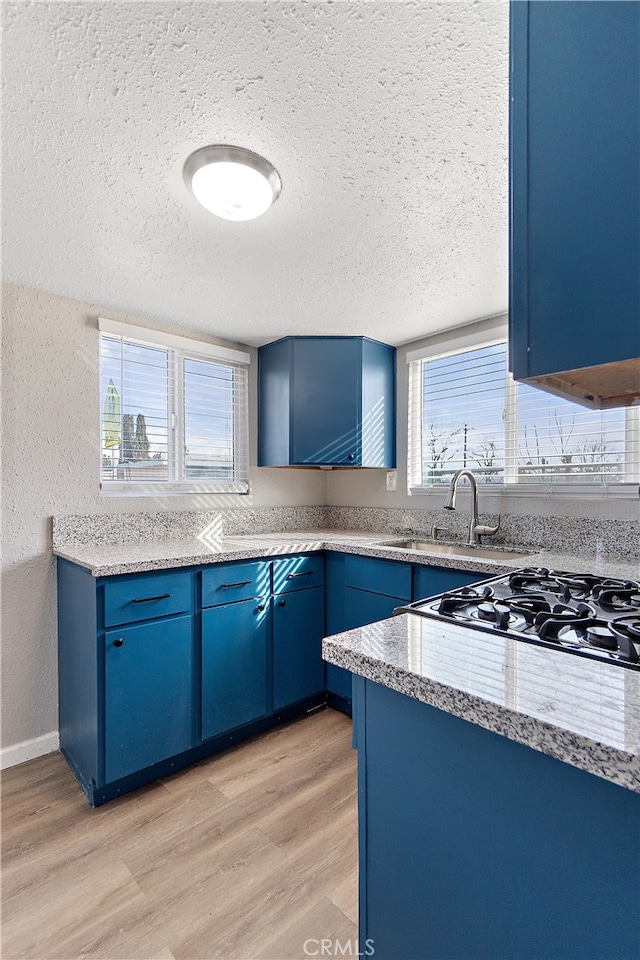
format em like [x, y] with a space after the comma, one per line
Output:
[386, 120]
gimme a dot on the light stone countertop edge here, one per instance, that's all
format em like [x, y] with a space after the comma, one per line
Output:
[607, 761]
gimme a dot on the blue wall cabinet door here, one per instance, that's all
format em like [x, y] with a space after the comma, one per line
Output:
[148, 694]
[326, 401]
[325, 407]
[575, 195]
[234, 665]
[298, 629]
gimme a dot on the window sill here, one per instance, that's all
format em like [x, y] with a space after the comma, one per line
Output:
[115, 488]
[581, 491]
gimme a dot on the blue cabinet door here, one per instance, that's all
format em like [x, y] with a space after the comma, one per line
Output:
[148, 694]
[326, 401]
[429, 581]
[234, 665]
[362, 607]
[337, 680]
[575, 188]
[298, 628]
[389, 577]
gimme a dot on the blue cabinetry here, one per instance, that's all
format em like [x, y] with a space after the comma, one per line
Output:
[429, 581]
[575, 198]
[157, 670]
[474, 846]
[148, 709]
[298, 629]
[126, 678]
[326, 401]
[361, 590]
[235, 645]
[234, 665]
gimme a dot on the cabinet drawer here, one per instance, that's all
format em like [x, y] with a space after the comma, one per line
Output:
[228, 582]
[146, 597]
[297, 573]
[386, 577]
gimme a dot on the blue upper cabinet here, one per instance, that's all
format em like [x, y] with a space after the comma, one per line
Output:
[575, 198]
[326, 401]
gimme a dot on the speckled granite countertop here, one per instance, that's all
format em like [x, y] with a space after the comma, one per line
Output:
[104, 560]
[575, 709]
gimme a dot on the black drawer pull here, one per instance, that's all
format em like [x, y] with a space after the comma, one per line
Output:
[163, 596]
[282, 603]
[304, 573]
[240, 583]
[118, 642]
[261, 607]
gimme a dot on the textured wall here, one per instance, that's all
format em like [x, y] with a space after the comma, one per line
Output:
[50, 416]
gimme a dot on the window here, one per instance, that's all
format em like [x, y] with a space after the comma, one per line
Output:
[465, 410]
[174, 414]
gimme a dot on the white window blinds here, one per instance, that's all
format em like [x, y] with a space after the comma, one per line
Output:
[465, 410]
[174, 418]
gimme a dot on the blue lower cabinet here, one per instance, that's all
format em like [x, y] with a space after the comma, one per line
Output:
[146, 596]
[429, 581]
[473, 846]
[234, 665]
[363, 590]
[148, 694]
[338, 681]
[298, 629]
[363, 607]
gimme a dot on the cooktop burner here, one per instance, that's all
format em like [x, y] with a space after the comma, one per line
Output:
[580, 613]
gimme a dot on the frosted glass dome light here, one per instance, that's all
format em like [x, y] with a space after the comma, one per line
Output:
[231, 182]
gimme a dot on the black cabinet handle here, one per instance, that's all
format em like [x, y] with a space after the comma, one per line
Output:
[240, 583]
[304, 573]
[261, 607]
[163, 596]
[351, 456]
[281, 603]
[118, 642]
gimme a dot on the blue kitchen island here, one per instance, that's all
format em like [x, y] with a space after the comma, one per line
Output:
[499, 796]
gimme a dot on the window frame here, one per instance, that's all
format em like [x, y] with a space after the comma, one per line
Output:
[180, 349]
[487, 334]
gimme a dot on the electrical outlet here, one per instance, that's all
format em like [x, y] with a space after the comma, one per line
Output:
[392, 480]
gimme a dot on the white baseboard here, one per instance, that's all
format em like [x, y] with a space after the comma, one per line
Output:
[29, 749]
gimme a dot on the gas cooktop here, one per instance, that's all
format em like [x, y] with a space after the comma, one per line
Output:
[579, 613]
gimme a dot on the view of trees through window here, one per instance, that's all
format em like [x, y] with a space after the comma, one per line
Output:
[474, 415]
[165, 416]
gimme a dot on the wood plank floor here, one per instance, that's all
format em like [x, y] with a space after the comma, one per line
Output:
[247, 855]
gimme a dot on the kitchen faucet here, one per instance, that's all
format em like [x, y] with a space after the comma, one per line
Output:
[476, 530]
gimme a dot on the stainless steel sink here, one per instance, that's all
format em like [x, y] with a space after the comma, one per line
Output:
[456, 549]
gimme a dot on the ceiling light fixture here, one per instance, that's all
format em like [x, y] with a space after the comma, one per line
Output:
[231, 182]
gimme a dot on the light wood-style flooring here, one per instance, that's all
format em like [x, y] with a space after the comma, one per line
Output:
[248, 855]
